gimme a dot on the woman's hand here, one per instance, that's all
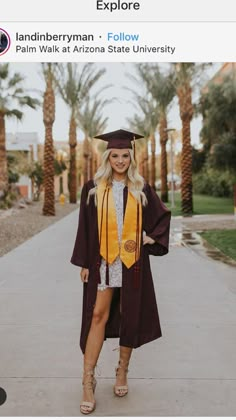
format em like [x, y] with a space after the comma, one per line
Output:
[148, 240]
[84, 273]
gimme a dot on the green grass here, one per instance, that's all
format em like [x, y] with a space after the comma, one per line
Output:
[224, 240]
[203, 204]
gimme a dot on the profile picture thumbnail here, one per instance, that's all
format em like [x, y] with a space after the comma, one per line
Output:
[4, 41]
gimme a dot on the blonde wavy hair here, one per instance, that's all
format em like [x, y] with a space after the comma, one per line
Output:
[134, 180]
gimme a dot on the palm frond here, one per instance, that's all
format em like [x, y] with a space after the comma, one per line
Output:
[4, 71]
[15, 80]
[12, 92]
[90, 116]
[74, 83]
[27, 100]
[14, 113]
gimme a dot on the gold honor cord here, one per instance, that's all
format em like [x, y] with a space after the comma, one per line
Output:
[108, 232]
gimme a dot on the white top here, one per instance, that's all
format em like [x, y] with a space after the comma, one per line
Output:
[115, 269]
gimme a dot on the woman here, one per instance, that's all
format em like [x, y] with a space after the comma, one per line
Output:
[122, 221]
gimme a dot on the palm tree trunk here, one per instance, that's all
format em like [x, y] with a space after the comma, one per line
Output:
[146, 171]
[186, 169]
[153, 161]
[31, 162]
[186, 114]
[73, 171]
[90, 162]
[48, 119]
[163, 141]
[86, 158]
[95, 162]
[49, 194]
[140, 161]
[3, 158]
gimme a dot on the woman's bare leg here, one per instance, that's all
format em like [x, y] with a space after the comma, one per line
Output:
[96, 334]
[125, 354]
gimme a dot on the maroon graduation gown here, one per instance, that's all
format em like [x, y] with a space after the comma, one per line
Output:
[138, 323]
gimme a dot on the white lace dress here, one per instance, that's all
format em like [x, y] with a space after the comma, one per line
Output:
[115, 269]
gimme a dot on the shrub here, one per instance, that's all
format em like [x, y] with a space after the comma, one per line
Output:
[214, 182]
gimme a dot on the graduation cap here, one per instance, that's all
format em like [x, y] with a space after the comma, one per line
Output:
[119, 139]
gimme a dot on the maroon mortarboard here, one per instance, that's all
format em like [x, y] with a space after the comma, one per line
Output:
[119, 139]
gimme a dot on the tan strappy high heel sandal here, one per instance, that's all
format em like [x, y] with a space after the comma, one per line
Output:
[89, 383]
[121, 390]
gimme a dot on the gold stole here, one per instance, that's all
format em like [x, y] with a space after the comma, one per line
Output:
[129, 249]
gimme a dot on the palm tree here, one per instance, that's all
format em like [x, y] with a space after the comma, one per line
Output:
[184, 76]
[150, 118]
[187, 75]
[160, 86]
[11, 92]
[140, 125]
[48, 119]
[218, 134]
[91, 121]
[74, 85]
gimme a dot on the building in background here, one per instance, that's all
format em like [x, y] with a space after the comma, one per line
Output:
[28, 147]
[26, 144]
[227, 69]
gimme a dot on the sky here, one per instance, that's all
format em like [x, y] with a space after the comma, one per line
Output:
[117, 112]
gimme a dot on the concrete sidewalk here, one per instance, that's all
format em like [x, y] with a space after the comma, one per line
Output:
[190, 371]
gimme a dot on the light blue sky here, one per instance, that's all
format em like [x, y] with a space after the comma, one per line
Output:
[117, 111]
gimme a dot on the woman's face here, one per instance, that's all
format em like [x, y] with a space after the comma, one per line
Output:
[119, 160]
